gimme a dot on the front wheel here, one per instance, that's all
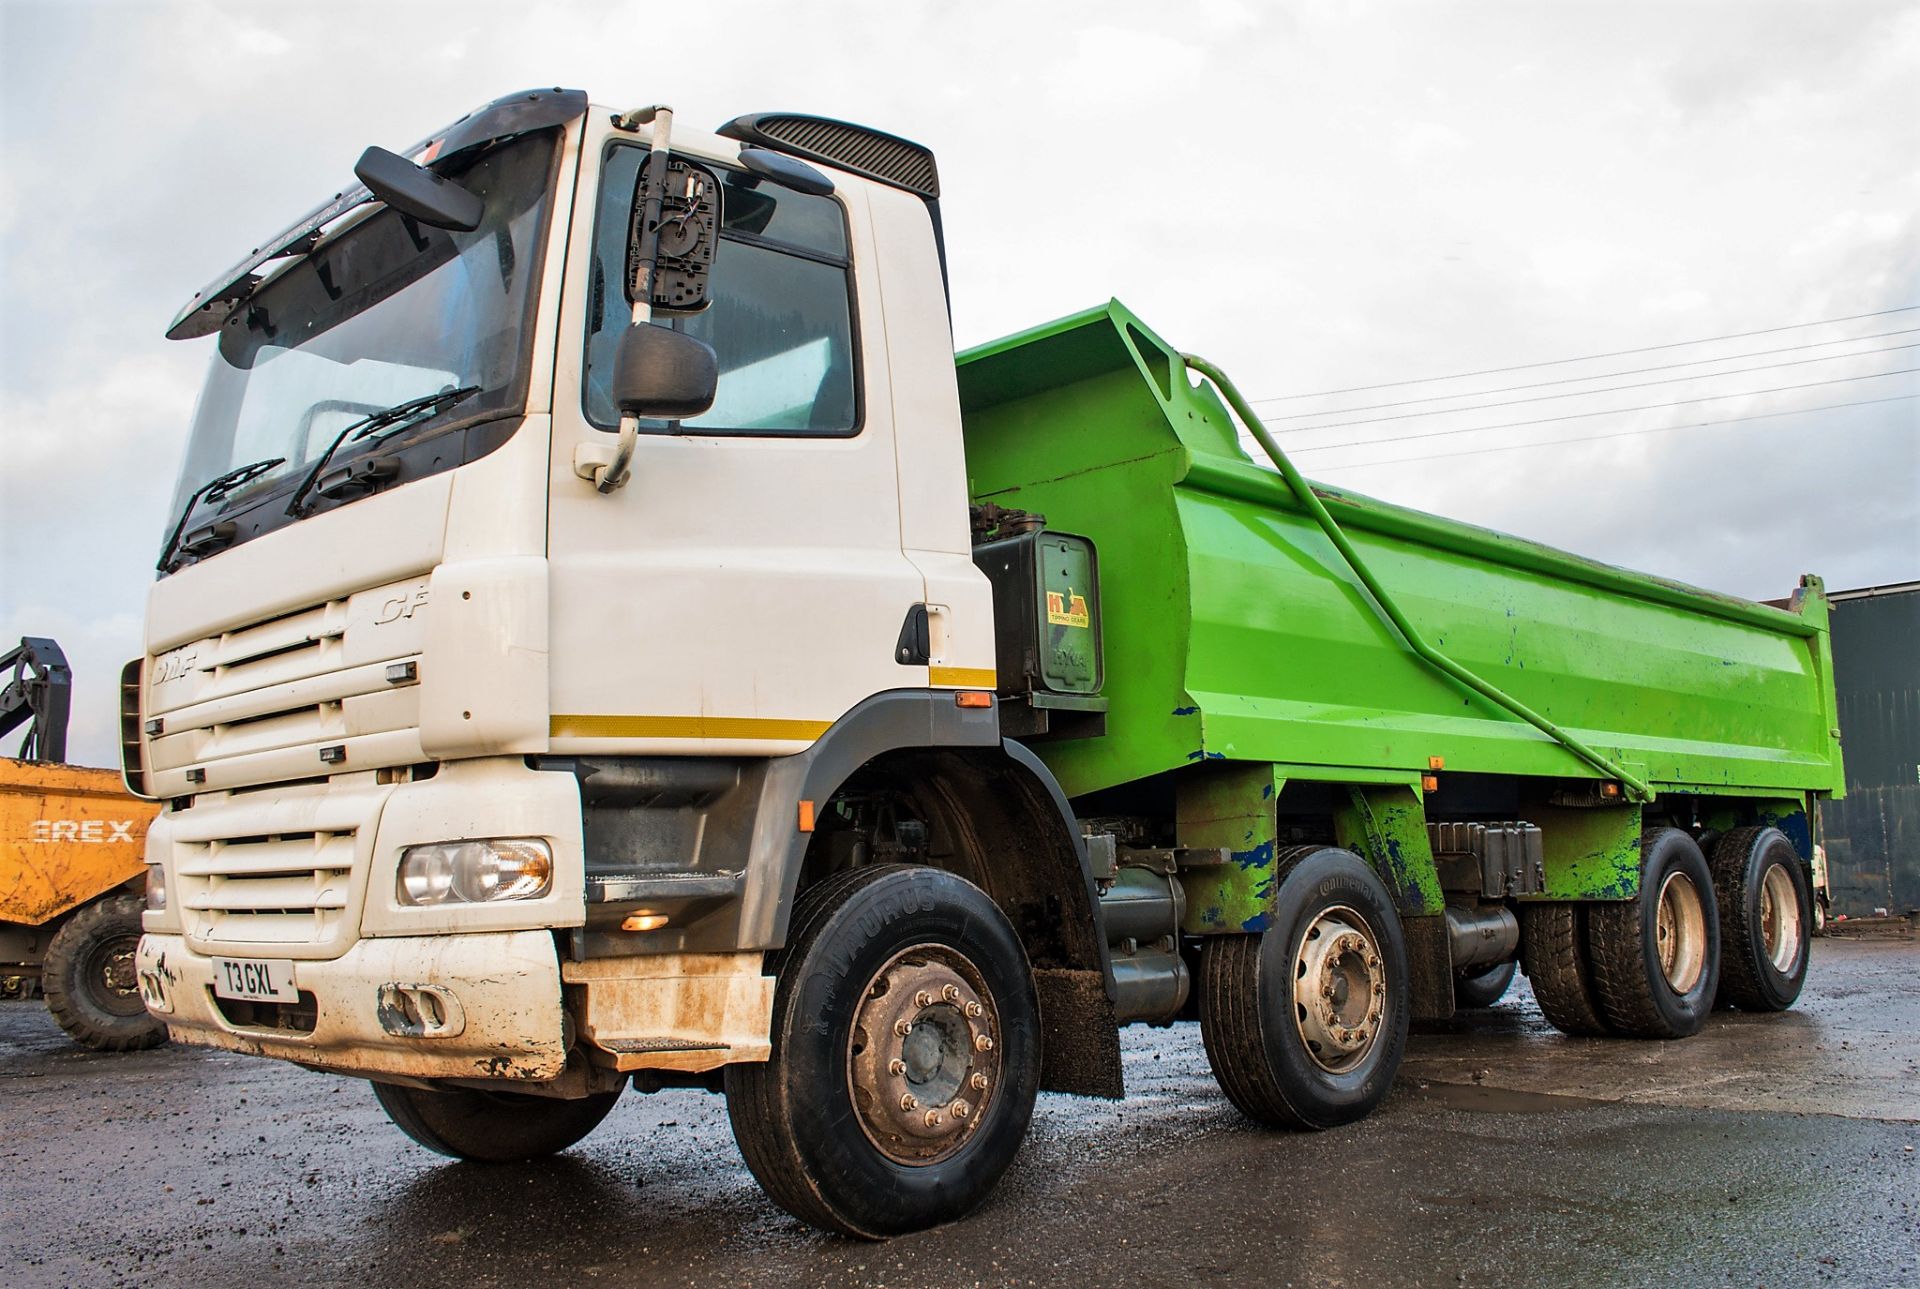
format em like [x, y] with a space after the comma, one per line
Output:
[906, 1055]
[1305, 1023]
[491, 1127]
[90, 981]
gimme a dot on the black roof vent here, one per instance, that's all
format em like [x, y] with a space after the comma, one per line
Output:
[876, 155]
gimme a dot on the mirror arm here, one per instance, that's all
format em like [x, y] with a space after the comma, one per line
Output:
[610, 475]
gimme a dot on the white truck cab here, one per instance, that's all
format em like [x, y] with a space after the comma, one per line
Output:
[482, 775]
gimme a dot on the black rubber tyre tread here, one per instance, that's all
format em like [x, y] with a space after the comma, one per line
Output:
[1230, 1031]
[1483, 988]
[760, 1113]
[491, 1127]
[1626, 981]
[1231, 1020]
[1553, 953]
[1747, 980]
[68, 993]
[771, 1156]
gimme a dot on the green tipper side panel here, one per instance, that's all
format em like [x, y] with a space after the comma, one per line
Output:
[1234, 630]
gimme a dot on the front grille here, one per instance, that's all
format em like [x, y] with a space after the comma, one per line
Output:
[327, 686]
[288, 889]
[277, 873]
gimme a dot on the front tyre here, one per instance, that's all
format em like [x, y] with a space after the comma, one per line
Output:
[1305, 1023]
[491, 1127]
[906, 1055]
[1766, 917]
[90, 982]
[1656, 959]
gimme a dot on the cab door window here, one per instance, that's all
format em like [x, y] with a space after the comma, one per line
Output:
[781, 321]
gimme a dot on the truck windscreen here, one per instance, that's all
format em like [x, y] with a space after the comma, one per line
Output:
[385, 311]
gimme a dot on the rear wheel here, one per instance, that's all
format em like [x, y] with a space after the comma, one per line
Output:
[1656, 959]
[1766, 909]
[90, 981]
[906, 1055]
[491, 1127]
[1306, 1022]
[1553, 949]
[1485, 988]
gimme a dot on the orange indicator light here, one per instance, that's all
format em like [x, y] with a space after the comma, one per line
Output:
[806, 816]
[1430, 782]
[973, 698]
[643, 921]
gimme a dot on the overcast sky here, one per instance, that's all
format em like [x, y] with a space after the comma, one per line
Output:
[1314, 195]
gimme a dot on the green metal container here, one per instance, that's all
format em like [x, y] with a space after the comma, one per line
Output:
[1235, 629]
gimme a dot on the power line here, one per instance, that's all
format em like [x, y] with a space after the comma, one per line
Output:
[1610, 411]
[1581, 393]
[1606, 375]
[1614, 353]
[1623, 434]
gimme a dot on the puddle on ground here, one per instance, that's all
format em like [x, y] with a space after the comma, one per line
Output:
[1463, 1096]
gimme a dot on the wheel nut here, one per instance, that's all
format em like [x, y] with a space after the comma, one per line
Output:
[903, 1027]
[960, 1109]
[951, 993]
[923, 999]
[983, 1042]
[896, 1067]
[978, 1082]
[974, 1010]
[934, 1119]
[909, 1102]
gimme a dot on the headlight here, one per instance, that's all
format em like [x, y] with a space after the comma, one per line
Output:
[474, 872]
[156, 888]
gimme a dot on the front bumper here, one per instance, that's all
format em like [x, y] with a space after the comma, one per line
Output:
[503, 1021]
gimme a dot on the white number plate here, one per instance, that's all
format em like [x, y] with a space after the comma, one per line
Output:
[260, 980]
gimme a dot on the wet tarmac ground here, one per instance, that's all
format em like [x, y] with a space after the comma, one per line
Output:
[1768, 1151]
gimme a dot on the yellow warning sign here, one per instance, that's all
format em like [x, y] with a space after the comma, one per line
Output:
[1066, 610]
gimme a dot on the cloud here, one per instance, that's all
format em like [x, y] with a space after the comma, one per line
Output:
[1315, 196]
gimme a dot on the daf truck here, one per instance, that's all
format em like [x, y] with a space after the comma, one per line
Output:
[606, 639]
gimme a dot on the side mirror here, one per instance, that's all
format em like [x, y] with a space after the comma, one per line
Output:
[662, 374]
[417, 191]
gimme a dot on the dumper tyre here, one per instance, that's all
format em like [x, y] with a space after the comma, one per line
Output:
[1483, 988]
[90, 981]
[1553, 953]
[492, 1127]
[1656, 958]
[1766, 918]
[853, 1125]
[1286, 1052]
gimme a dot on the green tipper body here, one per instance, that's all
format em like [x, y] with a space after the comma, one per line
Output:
[1234, 630]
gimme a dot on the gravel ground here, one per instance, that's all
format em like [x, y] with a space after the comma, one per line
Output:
[1768, 1151]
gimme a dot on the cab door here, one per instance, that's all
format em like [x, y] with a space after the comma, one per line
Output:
[748, 585]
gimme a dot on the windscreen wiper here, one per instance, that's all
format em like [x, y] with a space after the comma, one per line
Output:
[392, 418]
[212, 490]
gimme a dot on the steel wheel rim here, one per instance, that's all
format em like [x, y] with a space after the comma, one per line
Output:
[113, 976]
[1781, 929]
[1680, 933]
[1339, 989]
[923, 1055]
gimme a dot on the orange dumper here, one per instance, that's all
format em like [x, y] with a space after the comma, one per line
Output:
[71, 867]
